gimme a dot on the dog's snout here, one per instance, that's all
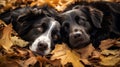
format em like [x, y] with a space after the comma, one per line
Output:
[42, 46]
[77, 35]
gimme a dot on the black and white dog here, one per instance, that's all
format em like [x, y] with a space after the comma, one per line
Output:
[84, 22]
[37, 25]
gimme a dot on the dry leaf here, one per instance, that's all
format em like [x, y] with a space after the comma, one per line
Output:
[86, 51]
[63, 53]
[4, 62]
[109, 61]
[110, 52]
[19, 42]
[105, 44]
[5, 40]
[2, 25]
[60, 5]
[30, 61]
[117, 43]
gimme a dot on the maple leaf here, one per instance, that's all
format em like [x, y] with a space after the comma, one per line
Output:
[66, 55]
[5, 40]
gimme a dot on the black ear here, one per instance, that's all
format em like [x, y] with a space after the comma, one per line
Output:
[115, 7]
[31, 15]
[95, 15]
[6, 17]
[60, 18]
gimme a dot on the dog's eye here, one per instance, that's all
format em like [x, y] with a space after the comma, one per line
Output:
[40, 29]
[55, 34]
[66, 25]
[44, 26]
[77, 18]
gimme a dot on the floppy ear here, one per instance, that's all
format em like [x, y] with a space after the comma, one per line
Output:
[31, 15]
[95, 15]
[6, 17]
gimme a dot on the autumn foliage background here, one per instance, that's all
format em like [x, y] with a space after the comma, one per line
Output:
[13, 52]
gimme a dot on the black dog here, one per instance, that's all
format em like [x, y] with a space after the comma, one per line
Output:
[90, 22]
[36, 25]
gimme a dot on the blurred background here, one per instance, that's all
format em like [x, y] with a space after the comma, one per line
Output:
[59, 5]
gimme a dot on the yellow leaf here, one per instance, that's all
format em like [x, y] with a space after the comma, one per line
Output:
[5, 40]
[66, 55]
[110, 52]
[109, 61]
[19, 42]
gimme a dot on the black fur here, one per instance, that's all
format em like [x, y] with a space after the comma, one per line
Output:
[31, 22]
[103, 17]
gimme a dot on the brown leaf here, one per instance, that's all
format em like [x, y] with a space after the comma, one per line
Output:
[19, 42]
[109, 61]
[30, 61]
[5, 40]
[105, 44]
[110, 57]
[66, 55]
[2, 25]
[110, 52]
[86, 51]
[44, 60]
[4, 62]
[60, 5]
[117, 43]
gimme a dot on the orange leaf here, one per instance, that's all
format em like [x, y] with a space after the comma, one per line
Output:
[5, 40]
[105, 44]
[63, 53]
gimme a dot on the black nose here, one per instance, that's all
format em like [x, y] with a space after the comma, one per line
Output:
[77, 35]
[42, 46]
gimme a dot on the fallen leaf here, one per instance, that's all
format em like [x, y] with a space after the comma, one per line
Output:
[18, 41]
[109, 61]
[105, 44]
[66, 55]
[31, 61]
[110, 52]
[86, 51]
[4, 62]
[117, 43]
[2, 25]
[5, 40]
[60, 5]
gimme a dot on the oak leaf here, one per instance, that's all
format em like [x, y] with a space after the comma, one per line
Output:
[66, 55]
[5, 40]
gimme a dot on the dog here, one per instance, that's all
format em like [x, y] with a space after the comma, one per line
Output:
[37, 25]
[84, 23]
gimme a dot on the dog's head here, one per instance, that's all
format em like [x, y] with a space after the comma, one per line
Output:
[78, 23]
[38, 26]
[42, 31]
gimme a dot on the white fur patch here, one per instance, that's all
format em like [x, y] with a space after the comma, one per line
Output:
[45, 37]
